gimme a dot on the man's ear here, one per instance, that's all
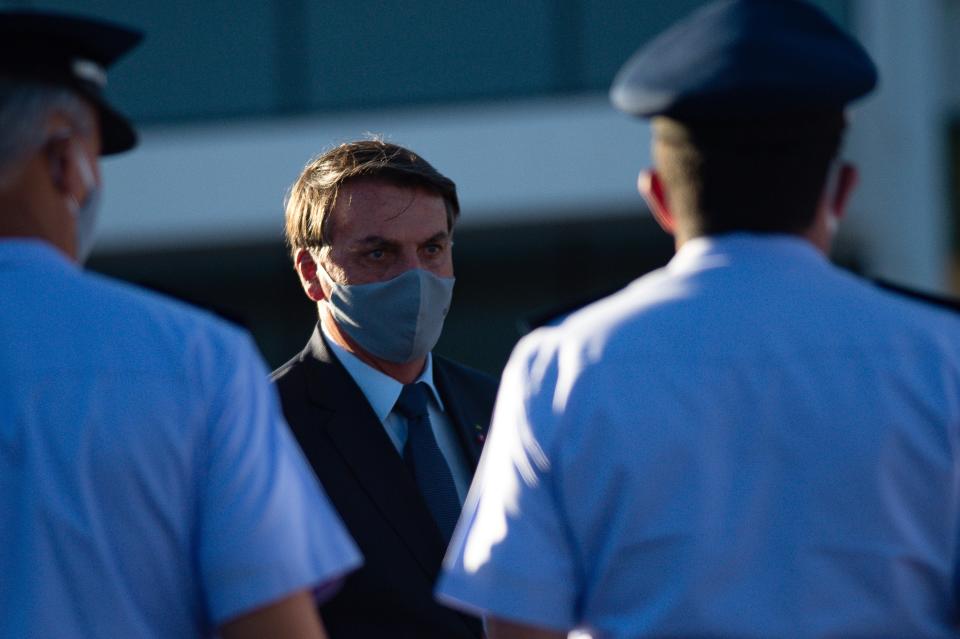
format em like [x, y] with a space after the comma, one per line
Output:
[57, 153]
[306, 267]
[847, 180]
[651, 188]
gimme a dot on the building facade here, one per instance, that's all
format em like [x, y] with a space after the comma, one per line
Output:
[508, 99]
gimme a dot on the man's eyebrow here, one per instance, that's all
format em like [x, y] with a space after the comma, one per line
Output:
[373, 239]
[437, 237]
[379, 240]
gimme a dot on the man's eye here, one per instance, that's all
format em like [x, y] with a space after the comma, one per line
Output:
[376, 254]
[433, 249]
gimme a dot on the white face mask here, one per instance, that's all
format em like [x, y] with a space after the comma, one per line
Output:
[830, 190]
[85, 213]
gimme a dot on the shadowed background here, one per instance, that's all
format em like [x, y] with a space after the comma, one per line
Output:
[506, 98]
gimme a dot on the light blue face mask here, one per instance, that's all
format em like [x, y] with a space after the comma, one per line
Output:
[85, 213]
[398, 320]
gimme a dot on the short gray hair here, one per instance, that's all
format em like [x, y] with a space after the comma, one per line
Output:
[24, 108]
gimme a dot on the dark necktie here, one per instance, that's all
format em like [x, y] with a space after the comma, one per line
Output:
[426, 462]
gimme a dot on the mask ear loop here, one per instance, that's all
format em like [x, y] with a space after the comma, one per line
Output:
[321, 270]
[85, 167]
[829, 192]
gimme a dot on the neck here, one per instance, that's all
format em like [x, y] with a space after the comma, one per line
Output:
[821, 232]
[29, 208]
[681, 235]
[403, 372]
[819, 235]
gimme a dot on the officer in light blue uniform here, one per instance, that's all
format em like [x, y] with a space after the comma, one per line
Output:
[749, 442]
[149, 486]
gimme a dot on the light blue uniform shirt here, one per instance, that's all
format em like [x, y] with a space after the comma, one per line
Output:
[747, 443]
[148, 484]
[382, 392]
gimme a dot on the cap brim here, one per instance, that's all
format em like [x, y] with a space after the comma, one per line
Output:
[47, 47]
[116, 133]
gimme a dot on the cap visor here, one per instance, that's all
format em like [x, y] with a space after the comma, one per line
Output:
[117, 134]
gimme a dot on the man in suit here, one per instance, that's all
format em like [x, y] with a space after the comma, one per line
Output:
[393, 432]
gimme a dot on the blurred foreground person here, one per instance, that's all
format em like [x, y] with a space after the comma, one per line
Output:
[748, 442]
[393, 431]
[148, 484]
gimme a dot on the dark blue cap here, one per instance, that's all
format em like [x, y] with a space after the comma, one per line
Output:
[73, 52]
[745, 59]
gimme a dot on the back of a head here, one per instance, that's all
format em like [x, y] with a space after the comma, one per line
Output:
[52, 54]
[54, 121]
[747, 99]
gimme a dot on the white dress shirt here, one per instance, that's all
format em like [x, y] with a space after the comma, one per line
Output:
[749, 442]
[149, 486]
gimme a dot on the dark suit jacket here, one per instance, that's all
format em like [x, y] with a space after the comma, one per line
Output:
[375, 494]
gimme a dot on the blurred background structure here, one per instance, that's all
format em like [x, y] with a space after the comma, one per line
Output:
[506, 97]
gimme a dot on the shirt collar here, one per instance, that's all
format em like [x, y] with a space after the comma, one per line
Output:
[381, 390]
[31, 250]
[766, 250]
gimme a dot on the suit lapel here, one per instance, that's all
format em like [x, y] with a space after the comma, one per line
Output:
[468, 420]
[359, 438]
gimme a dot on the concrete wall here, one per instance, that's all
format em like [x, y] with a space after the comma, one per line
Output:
[900, 220]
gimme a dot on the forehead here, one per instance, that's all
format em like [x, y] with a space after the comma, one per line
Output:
[377, 208]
